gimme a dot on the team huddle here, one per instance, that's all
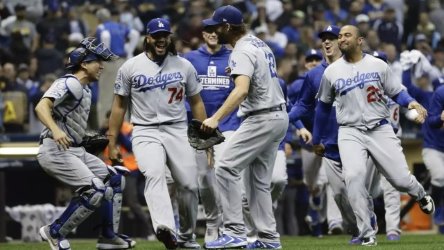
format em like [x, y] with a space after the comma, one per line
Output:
[239, 92]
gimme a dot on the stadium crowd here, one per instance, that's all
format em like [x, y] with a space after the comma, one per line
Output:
[36, 36]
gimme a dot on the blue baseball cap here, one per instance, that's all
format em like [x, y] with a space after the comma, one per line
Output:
[225, 14]
[158, 25]
[381, 55]
[312, 53]
[331, 29]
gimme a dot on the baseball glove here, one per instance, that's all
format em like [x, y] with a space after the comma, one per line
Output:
[94, 142]
[201, 140]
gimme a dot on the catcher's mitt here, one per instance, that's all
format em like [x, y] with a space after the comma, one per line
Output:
[199, 139]
[94, 142]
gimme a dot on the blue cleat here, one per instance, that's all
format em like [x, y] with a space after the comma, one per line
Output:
[264, 245]
[393, 237]
[227, 242]
[355, 240]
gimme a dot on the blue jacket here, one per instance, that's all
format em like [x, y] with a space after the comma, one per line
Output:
[216, 84]
[304, 110]
[433, 125]
[433, 137]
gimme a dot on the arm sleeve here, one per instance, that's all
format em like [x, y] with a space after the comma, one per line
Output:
[403, 98]
[305, 102]
[435, 109]
[322, 114]
[414, 91]
[298, 124]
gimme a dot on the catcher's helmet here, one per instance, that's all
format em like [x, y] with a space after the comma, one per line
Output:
[89, 51]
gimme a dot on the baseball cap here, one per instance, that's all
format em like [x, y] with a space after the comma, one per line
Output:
[362, 18]
[225, 14]
[381, 55]
[158, 25]
[312, 54]
[331, 29]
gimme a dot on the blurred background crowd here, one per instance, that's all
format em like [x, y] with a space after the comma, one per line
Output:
[36, 35]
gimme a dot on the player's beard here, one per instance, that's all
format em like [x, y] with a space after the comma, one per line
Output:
[222, 38]
[151, 48]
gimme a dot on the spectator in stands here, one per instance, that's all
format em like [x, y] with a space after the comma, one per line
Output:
[50, 60]
[335, 14]
[15, 102]
[76, 24]
[375, 9]
[354, 10]
[363, 23]
[426, 27]
[293, 27]
[35, 126]
[56, 24]
[436, 15]
[274, 35]
[389, 29]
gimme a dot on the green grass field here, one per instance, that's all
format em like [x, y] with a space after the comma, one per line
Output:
[408, 242]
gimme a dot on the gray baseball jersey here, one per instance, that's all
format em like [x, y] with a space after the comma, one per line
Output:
[254, 145]
[157, 91]
[359, 90]
[160, 139]
[265, 91]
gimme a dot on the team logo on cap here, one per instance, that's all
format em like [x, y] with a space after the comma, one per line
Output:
[160, 24]
[329, 28]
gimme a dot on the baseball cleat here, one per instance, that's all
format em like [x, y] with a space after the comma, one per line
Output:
[167, 237]
[54, 243]
[115, 243]
[126, 238]
[355, 240]
[369, 242]
[264, 245]
[427, 205]
[227, 242]
[189, 244]
[393, 237]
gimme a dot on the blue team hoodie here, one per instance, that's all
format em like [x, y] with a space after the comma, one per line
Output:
[217, 84]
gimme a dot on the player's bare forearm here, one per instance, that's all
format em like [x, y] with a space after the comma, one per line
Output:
[116, 118]
[235, 98]
[197, 107]
[43, 111]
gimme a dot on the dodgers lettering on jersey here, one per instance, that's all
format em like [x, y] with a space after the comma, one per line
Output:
[253, 58]
[359, 90]
[216, 83]
[157, 92]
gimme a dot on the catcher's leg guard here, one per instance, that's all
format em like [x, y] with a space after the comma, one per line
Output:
[80, 208]
[111, 208]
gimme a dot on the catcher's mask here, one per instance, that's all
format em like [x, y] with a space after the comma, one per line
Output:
[88, 51]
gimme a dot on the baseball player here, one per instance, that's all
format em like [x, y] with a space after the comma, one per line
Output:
[331, 161]
[254, 145]
[154, 85]
[434, 156]
[211, 62]
[432, 145]
[314, 176]
[357, 84]
[64, 110]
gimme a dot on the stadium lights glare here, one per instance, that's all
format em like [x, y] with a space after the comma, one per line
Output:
[13, 150]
